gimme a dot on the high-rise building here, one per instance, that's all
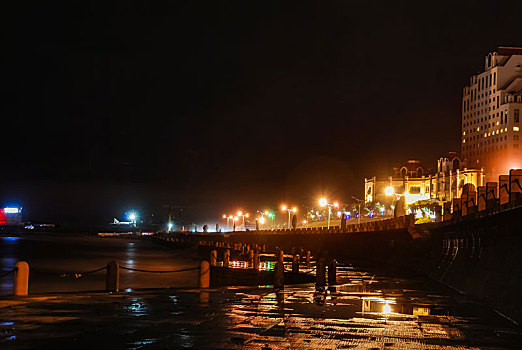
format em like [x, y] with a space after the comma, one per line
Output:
[491, 106]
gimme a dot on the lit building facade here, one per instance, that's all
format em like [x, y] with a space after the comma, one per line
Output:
[416, 183]
[491, 107]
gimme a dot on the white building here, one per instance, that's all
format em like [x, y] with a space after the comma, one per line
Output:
[491, 107]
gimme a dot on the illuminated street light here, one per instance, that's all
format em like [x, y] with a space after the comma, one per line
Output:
[323, 203]
[389, 191]
[228, 217]
[240, 214]
[262, 220]
[294, 209]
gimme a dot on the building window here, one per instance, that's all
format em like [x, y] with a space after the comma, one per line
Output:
[516, 115]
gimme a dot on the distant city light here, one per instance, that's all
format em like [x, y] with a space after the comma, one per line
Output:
[322, 202]
[389, 191]
[132, 216]
[11, 210]
[283, 207]
[261, 220]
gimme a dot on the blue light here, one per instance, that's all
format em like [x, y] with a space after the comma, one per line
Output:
[11, 239]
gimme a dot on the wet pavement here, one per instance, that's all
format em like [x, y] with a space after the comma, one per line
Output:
[365, 311]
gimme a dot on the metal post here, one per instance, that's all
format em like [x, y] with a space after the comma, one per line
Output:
[329, 211]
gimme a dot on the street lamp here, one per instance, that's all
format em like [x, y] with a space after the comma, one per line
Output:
[359, 201]
[294, 209]
[228, 217]
[240, 213]
[323, 202]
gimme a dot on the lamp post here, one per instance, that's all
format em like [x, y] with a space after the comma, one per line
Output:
[228, 217]
[243, 215]
[359, 201]
[294, 209]
[262, 218]
[323, 202]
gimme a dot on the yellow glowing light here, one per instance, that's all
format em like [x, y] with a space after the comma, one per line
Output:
[515, 128]
[246, 215]
[283, 207]
[239, 213]
[336, 204]
[386, 308]
[261, 220]
[236, 218]
[478, 129]
[294, 209]
[304, 222]
[322, 202]
[266, 212]
[224, 216]
[464, 133]
[389, 191]
[464, 141]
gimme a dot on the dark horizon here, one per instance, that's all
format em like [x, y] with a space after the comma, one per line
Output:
[215, 107]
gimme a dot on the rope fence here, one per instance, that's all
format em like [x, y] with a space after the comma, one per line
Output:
[3, 274]
[159, 271]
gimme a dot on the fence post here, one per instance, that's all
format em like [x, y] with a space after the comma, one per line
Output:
[204, 274]
[332, 273]
[251, 258]
[320, 273]
[295, 263]
[226, 258]
[213, 258]
[112, 281]
[279, 275]
[21, 279]
[256, 260]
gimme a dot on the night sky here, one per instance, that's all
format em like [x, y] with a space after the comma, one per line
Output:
[212, 106]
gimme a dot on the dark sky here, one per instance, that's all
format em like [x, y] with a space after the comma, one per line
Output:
[216, 106]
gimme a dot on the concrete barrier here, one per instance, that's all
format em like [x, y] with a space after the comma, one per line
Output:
[515, 185]
[503, 189]
[491, 195]
[21, 279]
[481, 198]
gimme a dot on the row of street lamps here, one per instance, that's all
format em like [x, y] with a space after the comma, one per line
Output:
[323, 202]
